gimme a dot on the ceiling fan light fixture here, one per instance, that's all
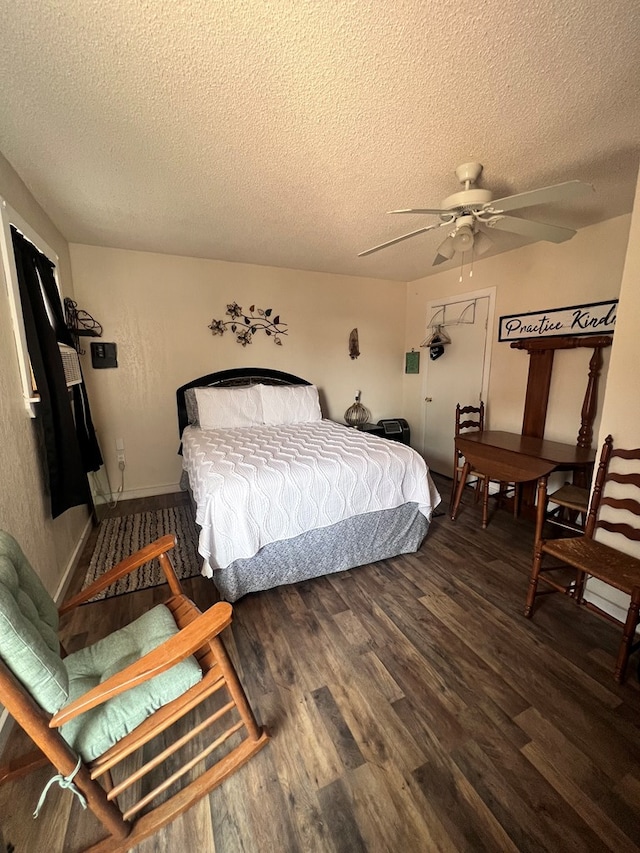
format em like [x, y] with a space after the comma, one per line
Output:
[481, 243]
[463, 239]
[447, 249]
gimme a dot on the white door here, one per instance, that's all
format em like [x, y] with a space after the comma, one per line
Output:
[460, 375]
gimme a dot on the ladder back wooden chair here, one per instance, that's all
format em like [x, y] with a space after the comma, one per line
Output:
[89, 711]
[471, 419]
[468, 419]
[614, 508]
[567, 507]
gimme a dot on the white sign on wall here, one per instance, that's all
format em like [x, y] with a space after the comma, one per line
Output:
[594, 318]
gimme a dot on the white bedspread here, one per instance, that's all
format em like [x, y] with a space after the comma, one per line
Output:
[257, 485]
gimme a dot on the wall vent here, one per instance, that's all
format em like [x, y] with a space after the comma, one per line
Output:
[70, 364]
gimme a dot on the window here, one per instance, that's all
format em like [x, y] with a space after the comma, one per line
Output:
[9, 218]
[42, 342]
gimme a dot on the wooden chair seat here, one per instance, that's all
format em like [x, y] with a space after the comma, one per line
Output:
[571, 497]
[614, 508]
[571, 504]
[598, 560]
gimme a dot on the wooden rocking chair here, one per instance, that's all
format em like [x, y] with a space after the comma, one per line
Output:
[87, 733]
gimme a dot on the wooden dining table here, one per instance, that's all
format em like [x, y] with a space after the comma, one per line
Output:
[514, 458]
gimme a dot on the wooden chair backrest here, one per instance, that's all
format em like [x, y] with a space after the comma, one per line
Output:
[473, 420]
[468, 419]
[622, 506]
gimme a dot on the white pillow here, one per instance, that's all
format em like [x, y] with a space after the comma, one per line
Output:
[221, 408]
[290, 404]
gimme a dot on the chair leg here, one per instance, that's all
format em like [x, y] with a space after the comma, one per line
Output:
[485, 504]
[533, 580]
[454, 489]
[578, 590]
[459, 488]
[630, 626]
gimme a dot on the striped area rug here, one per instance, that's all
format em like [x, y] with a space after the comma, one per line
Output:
[121, 536]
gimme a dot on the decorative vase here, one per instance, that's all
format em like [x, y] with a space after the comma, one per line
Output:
[357, 414]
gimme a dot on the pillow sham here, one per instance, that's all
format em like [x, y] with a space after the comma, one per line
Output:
[289, 404]
[191, 406]
[222, 408]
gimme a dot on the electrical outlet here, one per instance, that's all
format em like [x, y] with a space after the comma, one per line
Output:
[120, 456]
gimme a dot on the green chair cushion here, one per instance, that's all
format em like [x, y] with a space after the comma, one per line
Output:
[29, 629]
[95, 731]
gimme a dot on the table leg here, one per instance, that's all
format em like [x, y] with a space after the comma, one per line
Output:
[461, 485]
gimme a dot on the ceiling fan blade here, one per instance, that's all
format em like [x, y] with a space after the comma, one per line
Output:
[528, 228]
[439, 259]
[544, 195]
[399, 239]
[432, 210]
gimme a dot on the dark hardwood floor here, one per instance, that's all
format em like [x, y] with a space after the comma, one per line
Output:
[412, 708]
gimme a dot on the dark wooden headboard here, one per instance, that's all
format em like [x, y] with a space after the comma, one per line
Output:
[238, 377]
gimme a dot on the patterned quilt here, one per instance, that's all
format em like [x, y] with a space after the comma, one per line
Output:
[262, 484]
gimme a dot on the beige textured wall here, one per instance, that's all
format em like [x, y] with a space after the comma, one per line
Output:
[587, 268]
[157, 309]
[621, 407]
[24, 507]
[621, 410]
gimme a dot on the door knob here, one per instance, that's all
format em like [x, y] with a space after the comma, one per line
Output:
[428, 399]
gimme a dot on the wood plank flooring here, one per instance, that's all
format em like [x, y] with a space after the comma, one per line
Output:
[412, 708]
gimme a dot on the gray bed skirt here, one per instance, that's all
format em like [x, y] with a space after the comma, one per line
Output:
[345, 545]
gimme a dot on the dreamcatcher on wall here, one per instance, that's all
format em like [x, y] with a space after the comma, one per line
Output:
[245, 325]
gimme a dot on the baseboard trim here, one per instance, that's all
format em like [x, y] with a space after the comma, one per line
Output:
[145, 492]
[600, 594]
[73, 562]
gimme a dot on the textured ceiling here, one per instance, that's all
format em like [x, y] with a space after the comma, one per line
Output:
[279, 133]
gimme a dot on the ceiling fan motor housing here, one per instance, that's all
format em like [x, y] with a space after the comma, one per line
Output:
[469, 172]
[467, 200]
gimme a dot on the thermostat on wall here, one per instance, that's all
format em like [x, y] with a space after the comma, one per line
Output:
[104, 355]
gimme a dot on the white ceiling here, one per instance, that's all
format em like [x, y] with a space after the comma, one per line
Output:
[280, 132]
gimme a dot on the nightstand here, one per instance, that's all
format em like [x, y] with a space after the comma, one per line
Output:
[396, 429]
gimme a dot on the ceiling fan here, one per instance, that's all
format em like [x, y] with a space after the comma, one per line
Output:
[472, 212]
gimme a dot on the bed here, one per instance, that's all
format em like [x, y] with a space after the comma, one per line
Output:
[281, 494]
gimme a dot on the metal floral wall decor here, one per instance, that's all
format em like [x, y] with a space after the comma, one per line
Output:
[245, 325]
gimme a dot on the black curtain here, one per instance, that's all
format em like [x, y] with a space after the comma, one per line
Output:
[70, 442]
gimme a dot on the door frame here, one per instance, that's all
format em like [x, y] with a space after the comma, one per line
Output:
[452, 299]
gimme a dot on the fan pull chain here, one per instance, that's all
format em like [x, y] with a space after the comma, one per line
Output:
[462, 266]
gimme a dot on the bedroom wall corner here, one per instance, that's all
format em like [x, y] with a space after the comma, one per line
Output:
[587, 268]
[24, 507]
[51, 545]
[157, 309]
[621, 406]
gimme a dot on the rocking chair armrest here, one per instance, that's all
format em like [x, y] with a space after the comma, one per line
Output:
[187, 641]
[124, 567]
